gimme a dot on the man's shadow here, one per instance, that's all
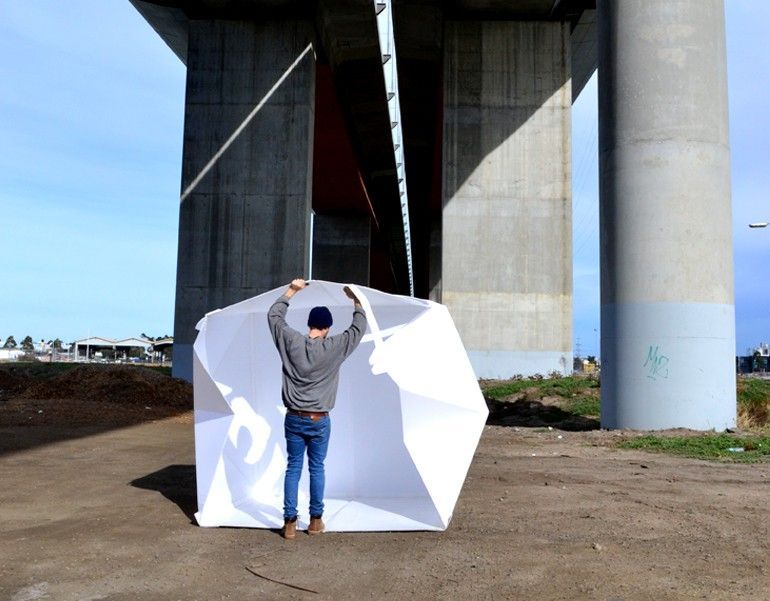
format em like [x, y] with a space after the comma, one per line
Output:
[177, 484]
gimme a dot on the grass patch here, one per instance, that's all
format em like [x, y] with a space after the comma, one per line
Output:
[164, 369]
[37, 370]
[570, 402]
[586, 406]
[714, 447]
[566, 387]
[499, 391]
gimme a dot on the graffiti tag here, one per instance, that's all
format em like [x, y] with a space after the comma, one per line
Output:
[656, 364]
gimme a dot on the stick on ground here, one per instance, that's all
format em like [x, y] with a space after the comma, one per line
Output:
[294, 586]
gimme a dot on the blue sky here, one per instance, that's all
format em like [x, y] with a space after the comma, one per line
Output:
[91, 115]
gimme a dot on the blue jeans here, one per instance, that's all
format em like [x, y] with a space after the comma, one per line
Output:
[304, 433]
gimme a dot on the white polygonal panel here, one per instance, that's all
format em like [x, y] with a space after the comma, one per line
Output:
[407, 420]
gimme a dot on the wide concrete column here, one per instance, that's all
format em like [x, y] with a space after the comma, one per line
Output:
[668, 324]
[506, 266]
[341, 248]
[247, 167]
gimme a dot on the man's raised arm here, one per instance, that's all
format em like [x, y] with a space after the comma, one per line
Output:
[351, 337]
[276, 316]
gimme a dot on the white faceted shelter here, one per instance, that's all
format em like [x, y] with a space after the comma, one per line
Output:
[408, 416]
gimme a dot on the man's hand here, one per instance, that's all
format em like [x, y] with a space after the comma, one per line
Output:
[351, 296]
[295, 286]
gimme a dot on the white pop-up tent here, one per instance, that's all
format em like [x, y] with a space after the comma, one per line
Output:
[407, 421]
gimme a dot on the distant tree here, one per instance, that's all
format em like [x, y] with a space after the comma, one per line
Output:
[146, 337]
[27, 344]
[591, 359]
[56, 344]
[10, 342]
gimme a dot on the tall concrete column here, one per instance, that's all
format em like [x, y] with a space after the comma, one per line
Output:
[341, 248]
[506, 266]
[668, 324]
[247, 167]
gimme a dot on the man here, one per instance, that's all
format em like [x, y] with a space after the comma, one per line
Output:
[311, 366]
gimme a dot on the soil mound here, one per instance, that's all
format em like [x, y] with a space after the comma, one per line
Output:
[122, 384]
[11, 383]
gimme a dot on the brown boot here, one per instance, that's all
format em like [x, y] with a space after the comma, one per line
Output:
[290, 528]
[316, 525]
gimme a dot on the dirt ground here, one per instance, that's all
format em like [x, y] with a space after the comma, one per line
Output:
[104, 511]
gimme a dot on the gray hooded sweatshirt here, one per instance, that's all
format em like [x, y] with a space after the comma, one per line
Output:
[311, 366]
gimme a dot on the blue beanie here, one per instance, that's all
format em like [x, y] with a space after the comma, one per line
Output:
[320, 318]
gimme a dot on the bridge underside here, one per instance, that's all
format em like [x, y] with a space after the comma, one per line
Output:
[302, 156]
[307, 183]
[289, 165]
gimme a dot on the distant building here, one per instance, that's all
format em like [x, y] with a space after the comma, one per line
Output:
[757, 359]
[162, 349]
[98, 347]
[11, 354]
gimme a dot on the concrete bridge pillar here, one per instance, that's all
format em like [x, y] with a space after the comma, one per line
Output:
[668, 325]
[506, 233]
[341, 248]
[247, 167]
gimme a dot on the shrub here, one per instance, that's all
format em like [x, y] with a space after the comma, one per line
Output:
[753, 402]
